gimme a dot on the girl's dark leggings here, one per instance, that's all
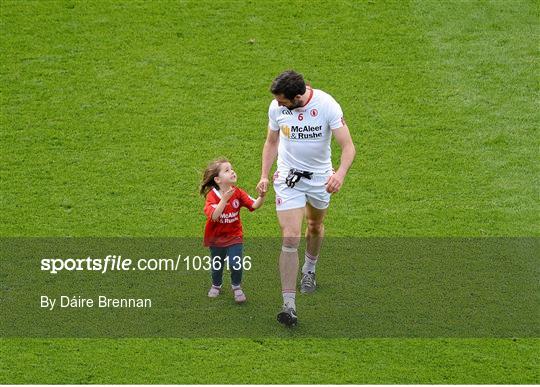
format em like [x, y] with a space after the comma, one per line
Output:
[232, 254]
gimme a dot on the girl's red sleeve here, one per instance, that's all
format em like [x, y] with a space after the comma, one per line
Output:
[210, 205]
[246, 200]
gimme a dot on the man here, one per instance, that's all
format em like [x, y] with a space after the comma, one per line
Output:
[301, 123]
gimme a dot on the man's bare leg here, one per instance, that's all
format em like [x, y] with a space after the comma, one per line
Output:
[291, 225]
[314, 238]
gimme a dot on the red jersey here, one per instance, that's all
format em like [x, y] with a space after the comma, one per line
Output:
[227, 230]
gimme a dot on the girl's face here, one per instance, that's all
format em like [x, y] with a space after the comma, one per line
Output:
[226, 174]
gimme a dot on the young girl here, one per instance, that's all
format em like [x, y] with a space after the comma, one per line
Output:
[223, 231]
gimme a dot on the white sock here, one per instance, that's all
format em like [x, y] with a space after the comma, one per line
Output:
[289, 298]
[309, 263]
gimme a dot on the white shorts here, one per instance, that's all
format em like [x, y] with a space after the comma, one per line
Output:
[312, 191]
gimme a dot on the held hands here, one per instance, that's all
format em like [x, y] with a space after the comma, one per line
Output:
[262, 187]
[259, 201]
[335, 182]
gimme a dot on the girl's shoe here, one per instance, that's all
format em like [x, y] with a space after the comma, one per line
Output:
[214, 291]
[239, 296]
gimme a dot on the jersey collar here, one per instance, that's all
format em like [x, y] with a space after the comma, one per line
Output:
[217, 192]
[309, 98]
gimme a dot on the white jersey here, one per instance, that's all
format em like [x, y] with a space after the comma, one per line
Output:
[306, 132]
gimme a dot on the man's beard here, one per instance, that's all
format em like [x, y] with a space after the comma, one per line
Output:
[295, 105]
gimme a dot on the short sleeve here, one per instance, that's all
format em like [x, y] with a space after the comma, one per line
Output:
[246, 200]
[272, 116]
[210, 205]
[335, 114]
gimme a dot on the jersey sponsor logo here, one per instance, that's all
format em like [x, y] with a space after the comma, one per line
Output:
[236, 203]
[306, 132]
[313, 112]
[287, 112]
[229, 217]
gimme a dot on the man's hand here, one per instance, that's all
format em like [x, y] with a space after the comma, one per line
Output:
[262, 187]
[343, 137]
[335, 182]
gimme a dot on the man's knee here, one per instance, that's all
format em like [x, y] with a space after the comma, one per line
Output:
[291, 238]
[315, 227]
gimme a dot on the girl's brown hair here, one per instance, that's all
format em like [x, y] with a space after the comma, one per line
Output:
[211, 171]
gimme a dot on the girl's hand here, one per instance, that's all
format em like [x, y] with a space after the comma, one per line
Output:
[222, 204]
[228, 194]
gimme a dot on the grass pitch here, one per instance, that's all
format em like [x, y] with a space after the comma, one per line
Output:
[109, 111]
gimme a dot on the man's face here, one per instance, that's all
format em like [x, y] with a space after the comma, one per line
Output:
[289, 104]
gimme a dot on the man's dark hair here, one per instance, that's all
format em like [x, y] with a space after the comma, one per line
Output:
[289, 83]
